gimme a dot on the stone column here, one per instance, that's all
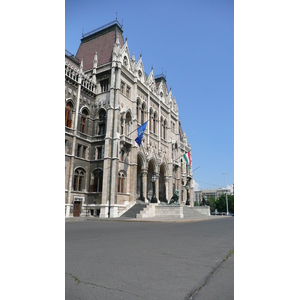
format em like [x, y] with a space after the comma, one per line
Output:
[157, 187]
[166, 182]
[144, 181]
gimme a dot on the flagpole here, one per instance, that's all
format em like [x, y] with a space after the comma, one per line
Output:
[137, 128]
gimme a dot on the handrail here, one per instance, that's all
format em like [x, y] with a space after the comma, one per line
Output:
[101, 28]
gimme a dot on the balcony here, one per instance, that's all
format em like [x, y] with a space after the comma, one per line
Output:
[125, 141]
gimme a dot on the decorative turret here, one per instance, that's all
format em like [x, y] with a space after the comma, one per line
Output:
[95, 67]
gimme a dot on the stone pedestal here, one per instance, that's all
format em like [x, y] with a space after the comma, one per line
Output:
[114, 211]
[67, 210]
[103, 211]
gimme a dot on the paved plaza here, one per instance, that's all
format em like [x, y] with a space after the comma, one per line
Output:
[126, 259]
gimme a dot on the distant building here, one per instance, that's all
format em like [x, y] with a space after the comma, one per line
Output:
[108, 95]
[206, 194]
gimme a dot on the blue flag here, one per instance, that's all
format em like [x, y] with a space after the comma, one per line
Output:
[141, 130]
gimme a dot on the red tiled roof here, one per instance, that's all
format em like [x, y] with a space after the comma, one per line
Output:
[101, 42]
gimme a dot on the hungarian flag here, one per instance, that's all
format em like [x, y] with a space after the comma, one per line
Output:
[141, 130]
[187, 157]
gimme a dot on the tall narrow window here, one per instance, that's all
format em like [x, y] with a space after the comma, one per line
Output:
[79, 150]
[122, 88]
[83, 151]
[165, 128]
[128, 91]
[99, 152]
[104, 85]
[78, 180]
[102, 122]
[138, 105]
[98, 179]
[127, 123]
[83, 121]
[150, 120]
[68, 118]
[142, 114]
[121, 182]
[122, 126]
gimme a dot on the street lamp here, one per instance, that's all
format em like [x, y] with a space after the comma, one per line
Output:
[153, 179]
[187, 186]
[226, 194]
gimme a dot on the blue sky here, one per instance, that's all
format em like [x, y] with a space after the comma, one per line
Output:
[192, 42]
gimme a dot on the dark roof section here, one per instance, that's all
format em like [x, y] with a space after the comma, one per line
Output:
[161, 77]
[102, 41]
[72, 58]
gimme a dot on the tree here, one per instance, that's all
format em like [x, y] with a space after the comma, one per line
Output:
[211, 203]
[221, 203]
[230, 203]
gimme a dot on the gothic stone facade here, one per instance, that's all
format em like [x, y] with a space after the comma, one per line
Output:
[108, 96]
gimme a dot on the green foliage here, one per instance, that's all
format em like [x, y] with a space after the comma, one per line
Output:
[221, 203]
[211, 203]
[230, 199]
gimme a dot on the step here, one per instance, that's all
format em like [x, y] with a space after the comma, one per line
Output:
[134, 210]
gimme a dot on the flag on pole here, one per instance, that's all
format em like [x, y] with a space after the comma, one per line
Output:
[141, 130]
[187, 157]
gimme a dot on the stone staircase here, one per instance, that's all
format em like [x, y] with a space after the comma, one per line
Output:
[189, 212]
[134, 210]
[147, 212]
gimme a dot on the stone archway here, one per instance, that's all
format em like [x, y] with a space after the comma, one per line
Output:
[151, 171]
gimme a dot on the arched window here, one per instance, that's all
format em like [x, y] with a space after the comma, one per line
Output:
[142, 113]
[121, 182]
[102, 122]
[150, 119]
[68, 116]
[165, 128]
[127, 123]
[162, 127]
[138, 108]
[154, 122]
[96, 185]
[83, 121]
[122, 126]
[78, 180]
[125, 61]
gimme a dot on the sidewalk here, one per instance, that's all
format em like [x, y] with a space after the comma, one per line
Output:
[155, 219]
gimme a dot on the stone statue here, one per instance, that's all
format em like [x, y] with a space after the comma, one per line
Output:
[174, 199]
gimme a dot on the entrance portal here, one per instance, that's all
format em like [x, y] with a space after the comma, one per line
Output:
[77, 208]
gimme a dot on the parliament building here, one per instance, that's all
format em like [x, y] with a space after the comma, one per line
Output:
[108, 96]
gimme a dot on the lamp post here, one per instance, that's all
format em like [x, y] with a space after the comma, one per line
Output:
[187, 186]
[153, 179]
[226, 194]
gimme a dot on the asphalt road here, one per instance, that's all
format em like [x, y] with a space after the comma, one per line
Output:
[121, 260]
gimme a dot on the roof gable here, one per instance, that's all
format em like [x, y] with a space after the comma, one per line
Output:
[100, 41]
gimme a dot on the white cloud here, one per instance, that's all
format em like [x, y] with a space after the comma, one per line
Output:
[230, 187]
[196, 186]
